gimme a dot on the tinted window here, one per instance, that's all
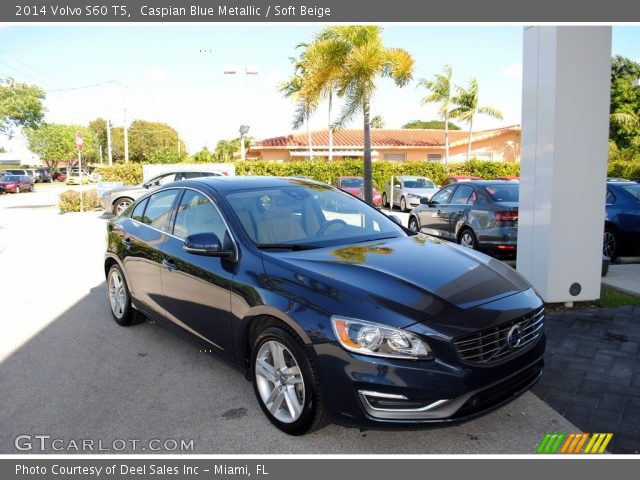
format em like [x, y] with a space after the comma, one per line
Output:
[443, 195]
[185, 175]
[633, 190]
[419, 183]
[611, 198]
[162, 179]
[198, 214]
[138, 211]
[159, 208]
[352, 182]
[504, 193]
[461, 197]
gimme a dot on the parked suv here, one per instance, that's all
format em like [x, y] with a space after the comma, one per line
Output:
[118, 199]
[44, 175]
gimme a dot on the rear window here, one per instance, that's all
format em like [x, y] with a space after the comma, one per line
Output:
[633, 190]
[503, 193]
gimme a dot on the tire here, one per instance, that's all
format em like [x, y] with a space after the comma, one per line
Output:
[119, 298]
[297, 406]
[17, 190]
[121, 205]
[403, 205]
[385, 203]
[413, 224]
[610, 244]
[468, 239]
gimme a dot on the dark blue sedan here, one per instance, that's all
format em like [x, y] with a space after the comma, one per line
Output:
[622, 219]
[333, 310]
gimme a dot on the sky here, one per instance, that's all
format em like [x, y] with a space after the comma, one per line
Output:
[175, 74]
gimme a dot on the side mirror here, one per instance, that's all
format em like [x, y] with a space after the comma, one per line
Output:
[207, 244]
[396, 219]
[424, 201]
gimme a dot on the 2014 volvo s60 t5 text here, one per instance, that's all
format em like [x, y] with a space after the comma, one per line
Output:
[333, 310]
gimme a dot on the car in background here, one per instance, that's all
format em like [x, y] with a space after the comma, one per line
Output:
[16, 183]
[407, 191]
[117, 200]
[59, 176]
[459, 178]
[338, 316]
[509, 178]
[482, 215]
[355, 186]
[622, 219]
[44, 174]
[75, 177]
[32, 173]
[15, 171]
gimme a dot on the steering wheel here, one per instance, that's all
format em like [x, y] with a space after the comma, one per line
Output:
[332, 223]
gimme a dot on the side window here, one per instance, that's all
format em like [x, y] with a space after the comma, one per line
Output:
[158, 208]
[186, 175]
[461, 197]
[443, 195]
[396, 183]
[611, 198]
[138, 211]
[197, 214]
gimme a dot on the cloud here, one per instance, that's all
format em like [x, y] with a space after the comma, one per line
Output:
[157, 74]
[513, 71]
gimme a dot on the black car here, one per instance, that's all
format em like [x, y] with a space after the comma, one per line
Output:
[333, 310]
[44, 175]
[481, 215]
[622, 218]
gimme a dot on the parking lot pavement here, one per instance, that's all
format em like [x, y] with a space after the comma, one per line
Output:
[67, 370]
[592, 372]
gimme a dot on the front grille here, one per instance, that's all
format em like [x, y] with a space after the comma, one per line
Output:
[501, 392]
[492, 345]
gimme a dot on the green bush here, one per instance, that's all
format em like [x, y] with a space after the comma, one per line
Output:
[624, 169]
[127, 173]
[70, 201]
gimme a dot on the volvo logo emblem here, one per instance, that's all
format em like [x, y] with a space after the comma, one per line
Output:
[514, 337]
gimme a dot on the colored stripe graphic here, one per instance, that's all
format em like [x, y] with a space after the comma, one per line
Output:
[574, 442]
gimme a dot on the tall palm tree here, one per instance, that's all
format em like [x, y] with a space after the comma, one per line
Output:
[466, 103]
[362, 59]
[377, 122]
[440, 92]
[305, 104]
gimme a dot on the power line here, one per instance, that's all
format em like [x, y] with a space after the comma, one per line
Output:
[39, 72]
[82, 87]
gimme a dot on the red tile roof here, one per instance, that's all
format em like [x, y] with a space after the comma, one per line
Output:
[348, 138]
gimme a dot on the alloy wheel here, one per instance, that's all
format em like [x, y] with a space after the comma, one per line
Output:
[117, 294]
[403, 204]
[279, 381]
[122, 206]
[413, 224]
[467, 240]
[609, 244]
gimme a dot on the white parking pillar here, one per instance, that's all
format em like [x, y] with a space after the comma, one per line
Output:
[565, 125]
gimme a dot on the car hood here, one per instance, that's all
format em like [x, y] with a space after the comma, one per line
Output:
[417, 277]
[423, 192]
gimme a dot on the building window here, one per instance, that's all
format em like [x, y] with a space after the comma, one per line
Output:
[486, 156]
[434, 157]
[395, 157]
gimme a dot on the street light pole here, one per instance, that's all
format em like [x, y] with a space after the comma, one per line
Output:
[244, 129]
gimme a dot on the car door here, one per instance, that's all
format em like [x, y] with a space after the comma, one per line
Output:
[432, 217]
[142, 237]
[458, 208]
[197, 289]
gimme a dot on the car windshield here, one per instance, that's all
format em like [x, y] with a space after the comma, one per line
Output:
[419, 183]
[352, 182]
[633, 190]
[308, 216]
[503, 193]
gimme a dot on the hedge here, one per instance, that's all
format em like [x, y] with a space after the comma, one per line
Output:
[131, 174]
[70, 201]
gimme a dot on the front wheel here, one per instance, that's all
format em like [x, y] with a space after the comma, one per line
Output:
[286, 383]
[413, 224]
[403, 204]
[385, 202]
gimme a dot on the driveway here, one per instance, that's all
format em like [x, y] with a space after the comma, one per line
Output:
[67, 370]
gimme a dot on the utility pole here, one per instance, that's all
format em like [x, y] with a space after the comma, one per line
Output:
[109, 154]
[124, 126]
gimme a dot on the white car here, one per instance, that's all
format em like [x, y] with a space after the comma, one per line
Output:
[407, 192]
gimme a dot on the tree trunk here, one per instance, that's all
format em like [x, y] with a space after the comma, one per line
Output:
[470, 137]
[446, 140]
[368, 181]
[330, 129]
[309, 139]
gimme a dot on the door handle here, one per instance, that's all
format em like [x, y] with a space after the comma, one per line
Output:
[170, 264]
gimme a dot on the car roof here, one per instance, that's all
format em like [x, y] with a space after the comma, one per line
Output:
[230, 184]
[620, 181]
[485, 183]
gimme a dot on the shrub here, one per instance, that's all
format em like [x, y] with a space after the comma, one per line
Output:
[70, 201]
[127, 173]
[624, 169]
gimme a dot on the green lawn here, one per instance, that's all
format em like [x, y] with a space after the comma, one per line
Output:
[611, 298]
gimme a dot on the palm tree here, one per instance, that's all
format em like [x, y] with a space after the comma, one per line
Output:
[467, 107]
[305, 104]
[440, 88]
[377, 122]
[362, 58]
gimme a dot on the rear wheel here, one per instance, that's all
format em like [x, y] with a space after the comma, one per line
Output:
[286, 382]
[610, 246]
[17, 190]
[119, 299]
[468, 239]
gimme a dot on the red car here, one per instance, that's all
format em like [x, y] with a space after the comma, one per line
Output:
[16, 183]
[509, 178]
[59, 176]
[355, 186]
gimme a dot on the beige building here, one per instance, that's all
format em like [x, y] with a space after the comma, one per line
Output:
[406, 145]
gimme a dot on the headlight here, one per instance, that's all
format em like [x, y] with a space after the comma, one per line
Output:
[369, 338]
[411, 195]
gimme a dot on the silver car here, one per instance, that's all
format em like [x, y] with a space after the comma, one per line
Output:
[117, 200]
[407, 191]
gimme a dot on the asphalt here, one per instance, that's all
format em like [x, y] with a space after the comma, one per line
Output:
[68, 371]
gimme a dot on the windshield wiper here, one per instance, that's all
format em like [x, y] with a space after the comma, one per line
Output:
[287, 246]
[375, 239]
